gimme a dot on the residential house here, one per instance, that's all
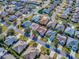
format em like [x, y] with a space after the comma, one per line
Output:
[19, 46]
[10, 40]
[30, 53]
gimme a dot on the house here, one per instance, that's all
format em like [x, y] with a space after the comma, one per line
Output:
[72, 43]
[52, 6]
[24, 10]
[18, 4]
[51, 35]
[19, 46]
[10, 10]
[69, 2]
[60, 27]
[65, 13]
[51, 24]
[18, 13]
[35, 26]
[75, 20]
[12, 17]
[8, 56]
[56, 2]
[36, 18]
[2, 52]
[69, 31]
[41, 31]
[26, 24]
[75, 17]
[10, 40]
[61, 39]
[77, 9]
[30, 53]
[3, 14]
[43, 20]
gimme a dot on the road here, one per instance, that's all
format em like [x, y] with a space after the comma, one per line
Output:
[42, 43]
[39, 41]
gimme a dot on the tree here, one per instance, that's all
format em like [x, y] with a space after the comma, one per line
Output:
[2, 37]
[33, 44]
[10, 32]
[55, 56]
[63, 58]
[40, 11]
[27, 31]
[78, 47]
[45, 50]
[0, 29]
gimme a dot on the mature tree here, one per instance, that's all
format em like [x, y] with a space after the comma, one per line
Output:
[0, 29]
[2, 37]
[10, 32]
